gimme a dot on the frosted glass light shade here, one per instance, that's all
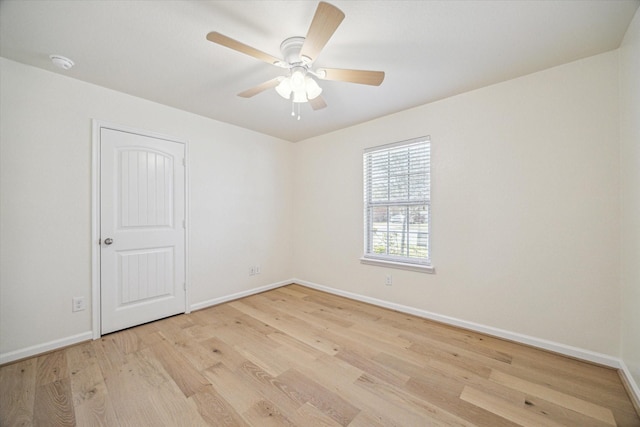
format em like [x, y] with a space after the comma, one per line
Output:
[299, 96]
[302, 86]
[284, 88]
[297, 80]
[313, 90]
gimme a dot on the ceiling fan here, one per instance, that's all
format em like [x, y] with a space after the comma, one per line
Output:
[298, 54]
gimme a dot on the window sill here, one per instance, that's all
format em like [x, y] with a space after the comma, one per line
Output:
[399, 265]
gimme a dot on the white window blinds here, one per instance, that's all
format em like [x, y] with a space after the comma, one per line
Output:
[397, 202]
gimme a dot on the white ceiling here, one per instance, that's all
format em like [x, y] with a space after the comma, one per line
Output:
[429, 50]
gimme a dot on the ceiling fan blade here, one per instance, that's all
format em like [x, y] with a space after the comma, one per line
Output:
[260, 88]
[364, 77]
[317, 103]
[242, 48]
[324, 24]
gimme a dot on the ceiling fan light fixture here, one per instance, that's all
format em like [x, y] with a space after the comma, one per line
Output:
[300, 84]
[313, 90]
[298, 55]
[297, 79]
[284, 88]
[300, 96]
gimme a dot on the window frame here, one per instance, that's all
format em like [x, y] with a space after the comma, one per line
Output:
[421, 264]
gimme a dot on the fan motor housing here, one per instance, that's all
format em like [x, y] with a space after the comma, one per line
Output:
[290, 49]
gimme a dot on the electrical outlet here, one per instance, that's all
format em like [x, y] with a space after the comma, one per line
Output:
[252, 271]
[79, 304]
[388, 280]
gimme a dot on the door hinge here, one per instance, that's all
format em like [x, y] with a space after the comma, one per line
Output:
[184, 162]
[99, 241]
[184, 285]
[184, 223]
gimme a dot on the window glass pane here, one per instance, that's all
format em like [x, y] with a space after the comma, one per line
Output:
[380, 239]
[397, 201]
[403, 231]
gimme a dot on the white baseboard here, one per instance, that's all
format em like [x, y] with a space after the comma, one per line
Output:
[566, 350]
[555, 347]
[226, 298]
[34, 350]
[630, 384]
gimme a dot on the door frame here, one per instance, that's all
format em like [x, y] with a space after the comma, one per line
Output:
[95, 214]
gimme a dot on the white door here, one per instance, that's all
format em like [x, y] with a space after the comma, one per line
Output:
[142, 229]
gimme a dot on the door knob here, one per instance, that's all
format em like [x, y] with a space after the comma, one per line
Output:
[108, 241]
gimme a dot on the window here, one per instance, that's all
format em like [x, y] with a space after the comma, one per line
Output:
[397, 204]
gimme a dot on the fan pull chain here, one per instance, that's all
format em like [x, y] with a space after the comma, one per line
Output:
[293, 109]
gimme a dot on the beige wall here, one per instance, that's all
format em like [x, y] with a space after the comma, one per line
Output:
[240, 201]
[528, 180]
[525, 204]
[630, 195]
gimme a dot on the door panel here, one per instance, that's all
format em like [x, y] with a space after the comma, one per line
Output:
[142, 272]
[144, 275]
[146, 188]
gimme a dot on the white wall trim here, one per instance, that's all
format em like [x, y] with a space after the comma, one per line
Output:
[399, 265]
[35, 350]
[187, 227]
[238, 295]
[566, 350]
[630, 384]
[89, 335]
[575, 352]
[578, 353]
[95, 228]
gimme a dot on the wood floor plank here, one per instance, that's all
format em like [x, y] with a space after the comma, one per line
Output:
[53, 404]
[110, 357]
[215, 410]
[91, 400]
[582, 381]
[51, 367]
[266, 360]
[240, 394]
[454, 357]
[366, 419]
[505, 409]
[293, 348]
[17, 393]
[301, 357]
[315, 417]
[377, 408]
[427, 409]
[287, 324]
[178, 367]
[321, 398]
[265, 413]
[129, 380]
[578, 405]
[353, 357]
[222, 352]
[271, 388]
[246, 388]
[451, 402]
[173, 409]
[464, 342]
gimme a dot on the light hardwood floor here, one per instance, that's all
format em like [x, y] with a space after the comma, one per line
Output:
[297, 356]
